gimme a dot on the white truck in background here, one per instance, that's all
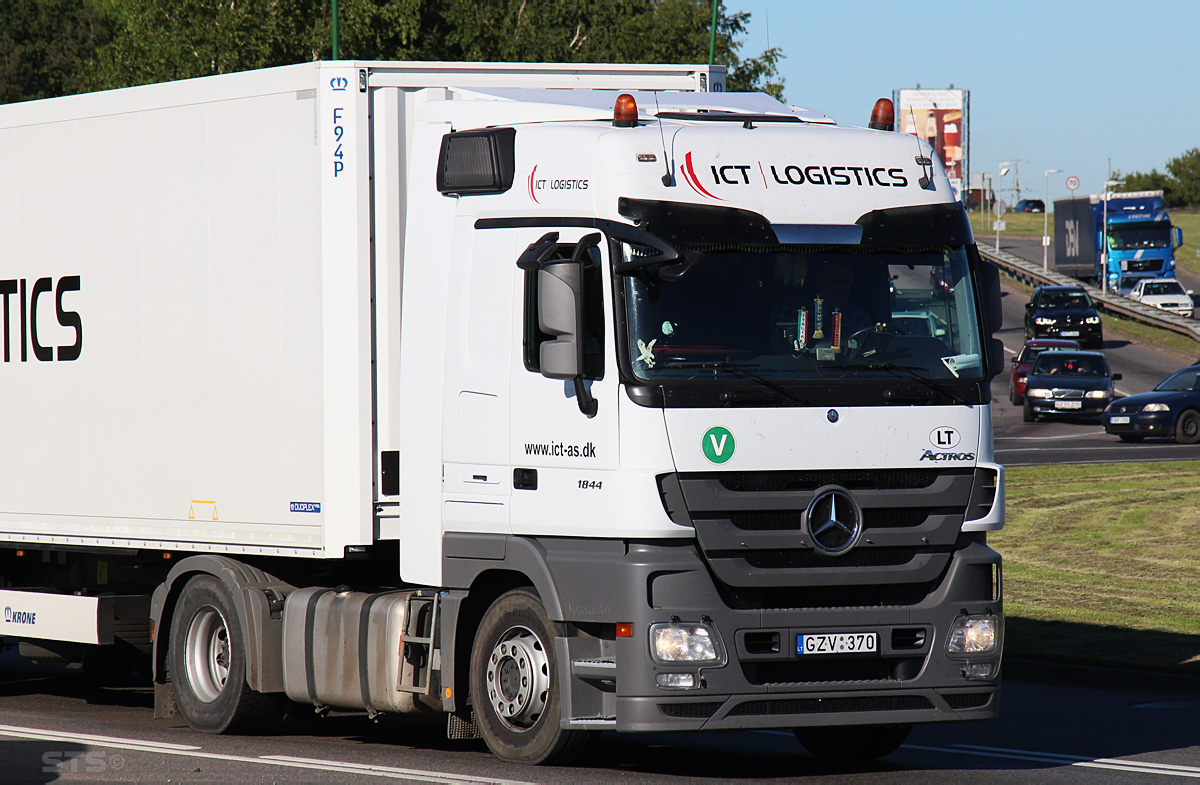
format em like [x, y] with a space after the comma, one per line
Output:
[555, 399]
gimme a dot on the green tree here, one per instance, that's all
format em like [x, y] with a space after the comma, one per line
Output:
[1186, 171]
[159, 40]
[1153, 180]
[1180, 184]
[43, 44]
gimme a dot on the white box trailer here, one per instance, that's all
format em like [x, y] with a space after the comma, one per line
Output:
[339, 355]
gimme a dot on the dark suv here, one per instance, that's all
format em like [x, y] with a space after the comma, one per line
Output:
[1063, 312]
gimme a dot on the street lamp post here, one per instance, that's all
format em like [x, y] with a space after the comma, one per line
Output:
[1000, 211]
[1046, 220]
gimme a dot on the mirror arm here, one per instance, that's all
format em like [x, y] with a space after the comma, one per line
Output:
[587, 404]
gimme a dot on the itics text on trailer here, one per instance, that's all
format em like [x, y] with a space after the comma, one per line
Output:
[553, 399]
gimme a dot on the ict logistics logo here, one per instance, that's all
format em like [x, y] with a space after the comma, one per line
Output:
[791, 174]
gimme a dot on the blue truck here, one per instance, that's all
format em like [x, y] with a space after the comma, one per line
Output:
[1141, 240]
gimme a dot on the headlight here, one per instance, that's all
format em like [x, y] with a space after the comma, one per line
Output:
[1039, 392]
[1044, 321]
[1096, 394]
[696, 643]
[1093, 320]
[1156, 407]
[974, 635]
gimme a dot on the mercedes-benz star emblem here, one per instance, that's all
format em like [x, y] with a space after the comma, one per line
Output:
[833, 521]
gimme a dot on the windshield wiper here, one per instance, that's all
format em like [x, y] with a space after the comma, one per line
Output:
[907, 372]
[739, 370]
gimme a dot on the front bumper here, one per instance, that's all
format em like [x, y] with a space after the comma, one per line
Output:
[1087, 334]
[765, 682]
[1088, 407]
[1151, 424]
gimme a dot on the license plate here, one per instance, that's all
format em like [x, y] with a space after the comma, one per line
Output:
[1068, 404]
[1119, 420]
[837, 643]
[1069, 333]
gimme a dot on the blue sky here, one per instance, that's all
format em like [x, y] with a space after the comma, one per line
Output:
[1057, 84]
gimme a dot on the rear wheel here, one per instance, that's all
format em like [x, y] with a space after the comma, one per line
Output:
[1187, 428]
[849, 744]
[514, 684]
[208, 665]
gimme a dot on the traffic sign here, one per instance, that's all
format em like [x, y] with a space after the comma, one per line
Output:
[1072, 183]
[1001, 208]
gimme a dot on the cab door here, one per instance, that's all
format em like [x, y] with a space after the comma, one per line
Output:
[564, 444]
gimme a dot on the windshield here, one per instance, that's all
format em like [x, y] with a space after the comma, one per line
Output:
[1161, 288]
[806, 314]
[1126, 237]
[1063, 364]
[1184, 381]
[1065, 298]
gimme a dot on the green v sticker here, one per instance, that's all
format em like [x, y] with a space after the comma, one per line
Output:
[717, 444]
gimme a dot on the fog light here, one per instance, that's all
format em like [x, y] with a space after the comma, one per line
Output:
[685, 643]
[978, 671]
[974, 635]
[676, 681]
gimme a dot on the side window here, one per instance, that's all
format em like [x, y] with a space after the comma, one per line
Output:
[593, 313]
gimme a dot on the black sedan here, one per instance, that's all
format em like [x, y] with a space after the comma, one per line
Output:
[1068, 383]
[1172, 409]
[1063, 312]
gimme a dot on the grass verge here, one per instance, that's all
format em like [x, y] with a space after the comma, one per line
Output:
[1101, 565]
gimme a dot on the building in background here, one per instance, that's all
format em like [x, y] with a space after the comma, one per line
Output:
[940, 117]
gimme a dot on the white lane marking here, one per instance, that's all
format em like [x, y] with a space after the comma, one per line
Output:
[1010, 351]
[1113, 764]
[162, 748]
[1042, 438]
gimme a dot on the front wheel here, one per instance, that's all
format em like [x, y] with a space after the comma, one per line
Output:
[514, 684]
[846, 745]
[1187, 428]
[208, 665]
[1027, 415]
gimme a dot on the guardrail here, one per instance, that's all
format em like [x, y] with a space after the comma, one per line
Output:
[1033, 274]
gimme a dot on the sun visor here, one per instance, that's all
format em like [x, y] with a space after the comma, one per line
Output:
[932, 224]
[680, 223]
[818, 234]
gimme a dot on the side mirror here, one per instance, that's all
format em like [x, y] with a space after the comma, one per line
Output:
[1029, 306]
[995, 357]
[560, 314]
[1178, 237]
[1014, 362]
[1116, 377]
[939, 333]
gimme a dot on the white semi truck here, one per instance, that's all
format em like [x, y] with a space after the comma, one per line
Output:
[555, 399]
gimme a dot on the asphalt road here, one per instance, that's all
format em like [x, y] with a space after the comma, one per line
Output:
[1055, 726]
[1070, 440]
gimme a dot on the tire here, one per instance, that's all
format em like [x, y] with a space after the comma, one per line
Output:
[1187, 427]
[1014, 399]
[847, 745]
[1131, 438]
[208, 665]
[514, 684]
[1027, 415]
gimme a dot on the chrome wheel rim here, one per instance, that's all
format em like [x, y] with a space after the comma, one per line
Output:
[206, 654]
[518, 678]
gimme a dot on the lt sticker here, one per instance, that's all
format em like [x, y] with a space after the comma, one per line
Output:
[717, 444]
